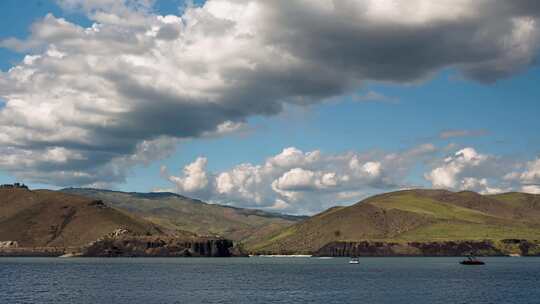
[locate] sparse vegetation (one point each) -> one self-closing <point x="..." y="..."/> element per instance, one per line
<point x="46" y="218"/>
<point x="415" y="215"/>
<point x="177" y="212"/>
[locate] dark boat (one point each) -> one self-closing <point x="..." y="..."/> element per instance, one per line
<point x="471" y="260"/>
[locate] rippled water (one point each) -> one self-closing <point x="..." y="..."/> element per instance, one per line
<point x="268" y="280"/>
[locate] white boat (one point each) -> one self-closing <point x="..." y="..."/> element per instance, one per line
<point x="354" y="261"/>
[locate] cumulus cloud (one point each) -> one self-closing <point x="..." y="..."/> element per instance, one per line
<point x="532" y="172"/>
<point x="532" y="189"/>
<point x="448" y="175"/>
<point x="301" y="182"/>
<point x="194" y="179"/>
<point x="480" y="185"/>
<point x="468" y="169"/>
<point x="528" y="177"/>
<point x="84" y="99"/>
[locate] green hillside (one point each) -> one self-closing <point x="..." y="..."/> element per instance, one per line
<point x="178" y="212"/>
<point x="413" y="215"/>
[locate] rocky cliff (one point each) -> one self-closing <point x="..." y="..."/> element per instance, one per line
<point x="446" y="248"/>
<point x="158" y="246"/>
<point x="32" y="252"/>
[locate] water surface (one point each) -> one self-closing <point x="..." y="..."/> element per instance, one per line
<point x="268" y="280"/>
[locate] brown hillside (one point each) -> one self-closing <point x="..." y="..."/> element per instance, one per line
<point x="50" y="218"/>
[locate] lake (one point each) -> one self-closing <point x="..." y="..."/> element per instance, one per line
<point x="268" y="280"/>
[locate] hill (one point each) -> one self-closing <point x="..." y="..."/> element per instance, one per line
<point x="413" y="215"/>
<point x="44" y="218"/>
<point x="174" y="211"/>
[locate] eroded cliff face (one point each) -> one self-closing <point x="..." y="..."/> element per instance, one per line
<point x="158" y="246"/>
<point x="122" y="242"/>
<point x="32" y="252"/>
<point x="447" y="248"/>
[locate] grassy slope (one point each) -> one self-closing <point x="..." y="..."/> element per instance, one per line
<point x="177" y="212"/>
<point x="49" y="218"/>
<point x="415" y="215"/>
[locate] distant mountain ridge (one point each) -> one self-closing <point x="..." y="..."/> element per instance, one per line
<point x="135" y="194"/>
<point x="410" y="222"/>
<point x="413" y="215"/>
<point x="175" y="211"/>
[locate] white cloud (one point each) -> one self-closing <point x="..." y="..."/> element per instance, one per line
<point x="244" y="183"/>
<point x="194" y="178"/>
<point x="291" y="157"/>
<point x="296" y="179"/>
<point x="480" y="185"/>
<point x="94" y="95"/>
<point x="280" y="205"/>
<point x="528" y="177"/>
<point x="532" y="189"/>
<point x="299" y="179"/>
<point x="468" y="169"/>
<point x="372" y="168"/>
<point x="532" y="172"/>
<point x="303" y="182"/>
<point x="448" y="174"/>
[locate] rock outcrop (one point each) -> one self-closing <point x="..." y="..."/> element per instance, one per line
<point x="9" y="244"/>
<point x="32" y="252"/>
<point x="50" y="223"/>
<point x="446" y="248"/>
<point x="158" y="246"/>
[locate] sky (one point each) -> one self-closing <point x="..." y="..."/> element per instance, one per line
<point x="289" y="106"/>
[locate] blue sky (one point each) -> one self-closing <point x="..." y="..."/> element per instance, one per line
<point x="498" y="119"/>
<point x="508" y="111"/>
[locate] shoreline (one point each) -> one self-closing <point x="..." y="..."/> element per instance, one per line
<point x="63" y="255"/>
<point x="163" y="247"/>
<point x="256" y="257"/>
